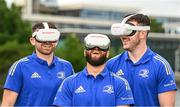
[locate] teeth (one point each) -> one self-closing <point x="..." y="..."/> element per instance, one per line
<point x="47" y="46"/>
<point x="95" y="52"/>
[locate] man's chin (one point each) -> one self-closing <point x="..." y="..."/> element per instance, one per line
<point x="47" y="52"/>
<point x="95" y="59"/>
<point x="125" y="48"/>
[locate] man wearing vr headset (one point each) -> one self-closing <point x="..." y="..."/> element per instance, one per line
<point x="34" y="80"/>
<point x="94" y="85"/>
<point x="149" y="75"/>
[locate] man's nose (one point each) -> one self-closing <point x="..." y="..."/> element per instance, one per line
<point x="96" y="48"/>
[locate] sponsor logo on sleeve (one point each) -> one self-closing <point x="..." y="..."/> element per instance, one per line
<point x="172" y="82"/>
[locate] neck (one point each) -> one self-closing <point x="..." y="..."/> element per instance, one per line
<point x="47" y="58"/>
<point x="95" y="70"/>
<point x="137" y="53"/>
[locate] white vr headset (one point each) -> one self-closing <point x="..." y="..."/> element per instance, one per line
<point x="122" y="29"/>
<point x="46" y="34"/>
<point x="97" y="40"/>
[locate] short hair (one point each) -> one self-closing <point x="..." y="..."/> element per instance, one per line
<point x="41" y="26"/>
<point x="141" y="19"/>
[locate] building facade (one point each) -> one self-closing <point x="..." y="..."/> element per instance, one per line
<point x="96" y="16"/>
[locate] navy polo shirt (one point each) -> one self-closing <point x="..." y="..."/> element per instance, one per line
<point x="148" y="77"/>
<point x="35" y="82"/>
<point x="82" y="89"/>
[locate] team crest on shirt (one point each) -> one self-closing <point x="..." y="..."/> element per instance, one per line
<point x="108" y="89"/>
<point x="61" y="75"/>
<point x="120" y="72"/>
<point x="144" y="73"/>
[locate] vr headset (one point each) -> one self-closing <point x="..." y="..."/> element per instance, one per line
<point x="46" y="34"/>
<point x="97" y="40"/>
<point x="126" y="29"/>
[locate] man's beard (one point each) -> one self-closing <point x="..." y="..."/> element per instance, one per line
<point x="96" y="62"/>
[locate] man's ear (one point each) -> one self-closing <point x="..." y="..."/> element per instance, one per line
<point x="107" y="55"/>
<point x="143" y="34"/>
<point x="32" y="41"/>
<point x="57" y="43"/>
<point x="84" y="52"/>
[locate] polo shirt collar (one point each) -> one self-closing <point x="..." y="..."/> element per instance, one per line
<point x="126" y="56"/>
<point x="41" y="61"/>
<point x="103" y="74"/>
<point x="146" y="57"/>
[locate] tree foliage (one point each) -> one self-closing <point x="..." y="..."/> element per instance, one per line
<point x="12" y="27"/>
<point x="10" y="52"/>
<point x="72" y="49"/>
<point x="14" y="34"/>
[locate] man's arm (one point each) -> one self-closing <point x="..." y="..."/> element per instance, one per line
<point x="167" y="98"/>
<point x="9" y="98"/>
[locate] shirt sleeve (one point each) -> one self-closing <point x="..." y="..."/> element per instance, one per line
<point x="123" y="93"/>
<point x="69" y="69"/>
<point x="166" y="79"/>
<point x="14" y="78"/>
<point x="64" y="95"/>
<point x="109" y="64"/>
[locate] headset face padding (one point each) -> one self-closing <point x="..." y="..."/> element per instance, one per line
<point x="46" y="34"/>
<point x="132" y="31"/>
<point x="97" y="40"/>
<point x="126" y="29"/>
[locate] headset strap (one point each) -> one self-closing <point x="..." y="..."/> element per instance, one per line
<point x="45" y="25"/>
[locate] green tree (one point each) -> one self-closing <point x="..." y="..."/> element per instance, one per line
<point x="14" y="34"/>
<point x="12" y="27"/>
<point x="10" y="52"/>
<point x="71" y="49"/>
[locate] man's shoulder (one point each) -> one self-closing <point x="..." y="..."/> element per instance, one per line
<point x="159" y="60"/>
<point x="115" y="61"/>
<point x="63" y="61"/>
<point x="23" y="60"/>
<point x="18" y="64"/>
<point x="117" y="77"/>
<point x="119" y="80"/>
<point x="160" y="63"/>
<point x="72" y="77"/>
<point x="115" y="58"/>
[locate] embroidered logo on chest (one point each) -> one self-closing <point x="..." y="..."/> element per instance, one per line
<point x="108" y="89"/>
<point x="35" y="75"/>
<point x="80" y="89"/>
<point x="120" y="72"/>
<point x="144" y="73"/>
<point x="61" y="75"/>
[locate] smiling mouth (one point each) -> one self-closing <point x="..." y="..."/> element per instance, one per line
<point x="96" y="53"/>
<point x="47" y="45"/>
<point x="125" y="39"/>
